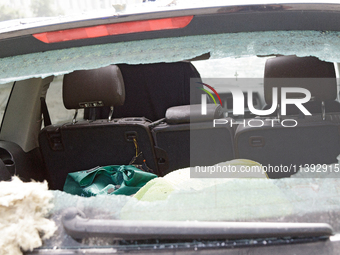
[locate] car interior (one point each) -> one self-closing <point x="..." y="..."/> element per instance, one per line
<point x="149" y="114"/>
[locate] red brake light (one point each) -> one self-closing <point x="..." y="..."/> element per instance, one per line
<point x="113" y="29"/>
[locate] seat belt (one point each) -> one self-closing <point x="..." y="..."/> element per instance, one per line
<point x="44" y="111"/>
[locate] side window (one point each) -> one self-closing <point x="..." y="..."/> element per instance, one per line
<point x="5" y="91"/>
<point x="55" y="105"/>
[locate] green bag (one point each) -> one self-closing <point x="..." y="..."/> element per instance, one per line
<point x="116" y="179"/>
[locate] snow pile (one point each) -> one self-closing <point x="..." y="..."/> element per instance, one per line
<point x="23" y="207"/>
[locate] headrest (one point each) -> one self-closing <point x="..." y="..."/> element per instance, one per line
<point x="192" y="113"/>
<point x="163" y="84"/>
<point x="304" y="72"/>
<point x="94" y="88"/>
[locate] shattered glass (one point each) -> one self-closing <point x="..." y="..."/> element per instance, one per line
<point x="224" y="199"/>
<point x="324" y="45"/>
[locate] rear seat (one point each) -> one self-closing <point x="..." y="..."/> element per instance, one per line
<point x="145" y="91"/>
<point x="83" y="145"/>
<point x="303" y="72"/>
<point x="189" y="138"/>
<point x="315" y="140"/>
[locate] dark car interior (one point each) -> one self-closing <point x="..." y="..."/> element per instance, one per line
<point x="150" y="120"/>
<point x="149" y="114"/>
<point x="141" y="117"/>
<point x="315" y="140"/>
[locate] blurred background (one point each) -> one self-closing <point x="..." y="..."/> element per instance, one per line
<point x="17" y="9"/>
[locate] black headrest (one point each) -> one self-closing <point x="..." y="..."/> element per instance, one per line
<point x="318" y="77"/>
<point x="192" y="113"/>
<point x="94" y="88"/>
<point x="153" y="88"/>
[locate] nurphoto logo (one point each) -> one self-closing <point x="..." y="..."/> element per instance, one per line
<point x="238" y="100"/>
<point x="239" y="104"/>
